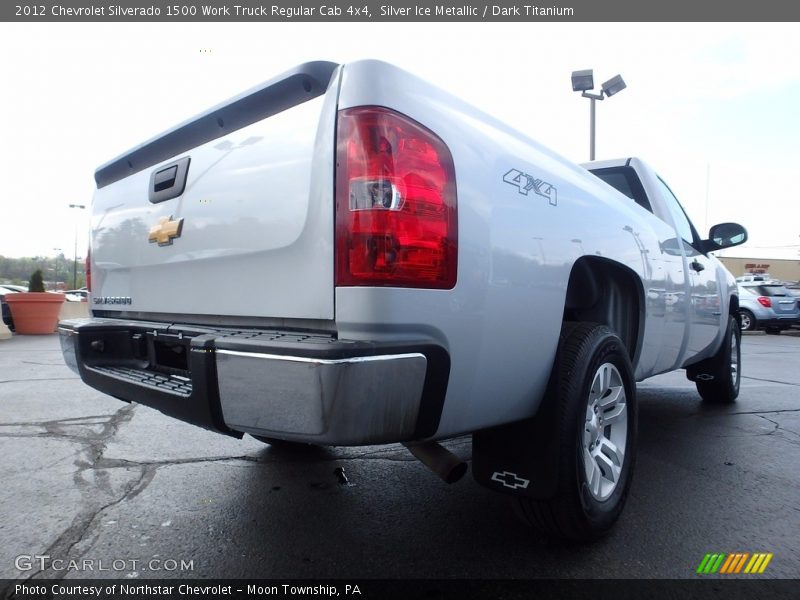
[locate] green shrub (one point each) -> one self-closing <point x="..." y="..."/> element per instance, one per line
<point x="36" y="283"/>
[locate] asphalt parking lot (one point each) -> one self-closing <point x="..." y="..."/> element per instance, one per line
<point x="88" y="477"/>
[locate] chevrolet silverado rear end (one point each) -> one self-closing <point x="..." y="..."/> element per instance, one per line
<point x="348" y="255"/>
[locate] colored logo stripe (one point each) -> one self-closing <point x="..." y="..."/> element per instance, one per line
<point x="734" y="563"/>
<point x="758" y="563"/>
<point x="710" y="563"/>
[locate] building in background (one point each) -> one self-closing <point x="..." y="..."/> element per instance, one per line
<point x="783" y="269"/>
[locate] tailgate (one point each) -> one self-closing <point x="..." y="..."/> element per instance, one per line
<point x="244" y="227"/>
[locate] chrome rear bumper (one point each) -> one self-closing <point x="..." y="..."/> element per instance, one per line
<point x="358" y="400"/>
<point x="289" y="385"/>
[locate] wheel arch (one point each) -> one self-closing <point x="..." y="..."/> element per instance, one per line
<point x="733" y="308"/>
<point x="607" y="292"/>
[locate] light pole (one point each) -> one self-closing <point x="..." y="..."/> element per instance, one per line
<point x="75" y="262"/>
<point x="583" y="81"/>
<point x="59" y="265"/>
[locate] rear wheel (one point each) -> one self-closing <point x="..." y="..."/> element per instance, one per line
<point x="748" y="320"/>
<point x="596" y="429"/>
<point x="718" y="377"/>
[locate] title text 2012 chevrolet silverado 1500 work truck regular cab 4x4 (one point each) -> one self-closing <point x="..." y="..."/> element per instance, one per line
<point x="347" y="255"/>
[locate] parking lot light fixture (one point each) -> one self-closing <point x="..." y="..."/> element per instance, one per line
<point x="613" y="85"/>
<point x="583" y="82"/>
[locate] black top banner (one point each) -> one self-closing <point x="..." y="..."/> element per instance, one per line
<point x="400" y="11"/>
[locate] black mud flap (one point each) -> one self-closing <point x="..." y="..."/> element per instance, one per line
<point x="705" y="370"/>
<point x="711" y="368"/>
<point x="519" y="458"/>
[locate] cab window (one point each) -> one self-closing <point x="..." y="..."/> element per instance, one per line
<point x="682" y="222"/>
<point x="626" y="181"/>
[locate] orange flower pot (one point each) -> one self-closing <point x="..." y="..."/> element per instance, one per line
<point x="35" y="312"/>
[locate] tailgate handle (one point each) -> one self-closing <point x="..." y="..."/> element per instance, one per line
<point x="169" y="181"/>
<point x="164" y="179"/>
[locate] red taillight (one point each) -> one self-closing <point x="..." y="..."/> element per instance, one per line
<point x="395" y="202"/>
<point x="764" y="301"/>
<point x="88" y="269"/>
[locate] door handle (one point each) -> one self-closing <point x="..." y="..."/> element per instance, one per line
<point x="696" y="266"/>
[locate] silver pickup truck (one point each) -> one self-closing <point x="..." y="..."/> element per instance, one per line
<point x="347" y="255"/>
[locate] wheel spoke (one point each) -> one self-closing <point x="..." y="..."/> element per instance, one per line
<point x="605" y="379"/>
<point x="597" y="389"/>
<point x="609" y="450"/>
<point x="609" y="469"/>
<point x="594" y="485"/>
<point x="616" y="414"/>
<point x="594" y="476"/>
<point x="612" y="397"/>
<point x="589" y="465"/>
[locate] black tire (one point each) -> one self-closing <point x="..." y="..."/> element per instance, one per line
<point x="748" y="320"/>
<point x="576" y="512"/>
<point x="724" y="367"/>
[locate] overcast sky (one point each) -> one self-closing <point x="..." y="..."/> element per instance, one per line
<point x="714" y="107"/>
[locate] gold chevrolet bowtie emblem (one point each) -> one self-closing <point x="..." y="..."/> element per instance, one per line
<point x="165" y="231"/>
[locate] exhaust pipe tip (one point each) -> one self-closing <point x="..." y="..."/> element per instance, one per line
<point x="456" y="473"/>
<point x="449" y="467"/>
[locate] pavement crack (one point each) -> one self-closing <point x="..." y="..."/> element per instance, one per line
<point x="779" y="429"/>
<point x="83" y="523"/>
<point x="29" y="379"/>
<point x="88" y="420"/>
<point x="93" y="482"/>
<point x="764" y="412"/>
<point x="775" y="424"/>
<point x="116" y="463"/>
<point x="771" y="380"/>
<point x="43" y="364"/>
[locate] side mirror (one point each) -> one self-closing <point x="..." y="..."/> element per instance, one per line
<point x="725" y="235"/>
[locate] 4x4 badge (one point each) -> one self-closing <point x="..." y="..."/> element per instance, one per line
<point x="165" y="231"/>
<point x="525" y="183"/>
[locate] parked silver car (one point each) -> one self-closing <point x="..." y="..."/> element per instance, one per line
<point x="767" y="305"/>
<point x="5" y="311"/>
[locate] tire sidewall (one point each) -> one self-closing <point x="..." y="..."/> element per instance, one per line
<point x="733" y="332"/>
<point x="606" y="347"/>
